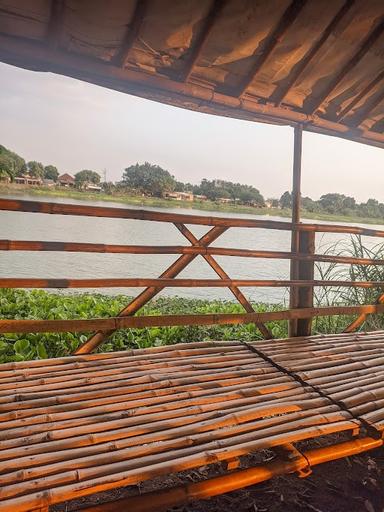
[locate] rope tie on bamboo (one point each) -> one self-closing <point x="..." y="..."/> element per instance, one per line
<point x="371" y="429"/>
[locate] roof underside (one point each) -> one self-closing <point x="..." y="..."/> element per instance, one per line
<point x="314" y="62"/>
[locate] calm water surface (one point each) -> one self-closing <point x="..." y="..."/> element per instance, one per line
<point x="25" y="226"/>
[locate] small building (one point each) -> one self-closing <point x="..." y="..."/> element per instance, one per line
<point x="27" y="179"/>
<point x="66" y="180"/>
<point x="180" y="196"/>
<point x="199" y="197"/>
<point x="4" y="178"/>
<point x="92" y="187"/>
<point x="225" y="200"/>
<point x="48" y="183"/>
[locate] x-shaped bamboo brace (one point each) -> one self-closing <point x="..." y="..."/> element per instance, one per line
<point x="138" y="302"/>
<point x="361" y="318"/>
<point x="223" y="275"/>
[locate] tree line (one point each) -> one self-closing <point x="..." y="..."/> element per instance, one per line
<point x="13" y="165"/>
<point x="152" y="180"/>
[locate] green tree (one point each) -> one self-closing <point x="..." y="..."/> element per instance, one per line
<point x="86" y="176"/>
<point x="286" y="200"/>
<point x="51" y="172"/>
<point x="11" y="163"/>
<point x="35" y="169"/>
<point x="148" y="178"/>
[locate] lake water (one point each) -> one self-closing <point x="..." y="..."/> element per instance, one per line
<point x="25" y="226"/>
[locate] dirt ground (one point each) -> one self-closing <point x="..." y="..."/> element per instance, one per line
<point x="350" y="485"/>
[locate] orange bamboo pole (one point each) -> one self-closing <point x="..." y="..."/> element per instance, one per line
<point x="126" y="213"/>
<point x="104" y="324"/>
<point x="178" y="283"/>
<point x="25" y="245"/>
<point x="162" y="500"/>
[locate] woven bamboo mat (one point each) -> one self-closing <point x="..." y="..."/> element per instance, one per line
<point x="73" y="426"/>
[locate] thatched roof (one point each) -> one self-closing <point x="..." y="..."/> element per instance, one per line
<point x="315" y="62"/>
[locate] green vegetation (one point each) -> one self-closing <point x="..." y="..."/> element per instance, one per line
<point x="86" y="176"/>
<point x="39" y="304"/>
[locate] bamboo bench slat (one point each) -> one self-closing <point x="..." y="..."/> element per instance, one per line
<point x="77" y="425"/>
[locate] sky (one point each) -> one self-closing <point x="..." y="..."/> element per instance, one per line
<point x="75" y="125"/>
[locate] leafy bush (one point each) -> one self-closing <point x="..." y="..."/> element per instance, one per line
<point x="39" y="304"/>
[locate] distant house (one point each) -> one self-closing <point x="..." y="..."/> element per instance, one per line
<point x="225" y="200"/>
<point x="48" y="183"/>
<point x="180" y="196"/>
<point x="4" y="178"/>
<point x="66" y="180"/>
<point x="199" y="197"/>
<point x="27" y="179"/>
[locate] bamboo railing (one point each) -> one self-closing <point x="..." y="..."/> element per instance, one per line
<point x="303" y="256"/>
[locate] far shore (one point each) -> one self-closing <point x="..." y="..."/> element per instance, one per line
<point x="155" y="202"/>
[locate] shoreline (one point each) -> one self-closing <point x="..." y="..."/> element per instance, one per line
<point x="153" y="202"/>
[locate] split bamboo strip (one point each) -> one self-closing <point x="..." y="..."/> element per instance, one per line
<point x="214" y="452"/>
<point x="167" y="498"/>
<point x="149" y="439"/>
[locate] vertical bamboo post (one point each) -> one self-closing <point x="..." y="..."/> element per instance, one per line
<point x="306" y="271"/>
<point x="296" y="194"/>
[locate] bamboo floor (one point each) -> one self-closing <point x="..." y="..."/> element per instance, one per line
<point x="73" y="426"/>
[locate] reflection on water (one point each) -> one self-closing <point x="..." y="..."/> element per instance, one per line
<point x="26" y="226"/>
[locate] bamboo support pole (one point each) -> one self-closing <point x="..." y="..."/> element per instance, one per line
<point x="295" y="233"/>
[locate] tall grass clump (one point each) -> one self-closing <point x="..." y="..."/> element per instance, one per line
<point x="348" y="296"/>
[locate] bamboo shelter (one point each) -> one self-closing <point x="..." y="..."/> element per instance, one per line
<point x="74" y="426"/>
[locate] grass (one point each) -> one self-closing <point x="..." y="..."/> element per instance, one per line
<point x="154" y="202"/>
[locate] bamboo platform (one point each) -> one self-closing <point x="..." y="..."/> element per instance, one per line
<point x="77" y="425"/>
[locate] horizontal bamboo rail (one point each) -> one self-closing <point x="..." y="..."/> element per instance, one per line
<point x="301" y="285"/>
<point x="178" y="283"/>
<point x="113" y="323"/>
<point x="27" y="245"/>
<point x="126" y="213"/>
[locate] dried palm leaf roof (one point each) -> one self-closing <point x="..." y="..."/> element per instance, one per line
<point x="314" y="62"/>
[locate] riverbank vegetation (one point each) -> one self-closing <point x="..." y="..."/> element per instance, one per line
<point x="149" y="185"/>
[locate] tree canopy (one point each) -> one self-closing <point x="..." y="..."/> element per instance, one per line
<point x="148" y="178"/>
<point x="11" y="163"/>
<point x="51" y="172"/>
<point x="86" y="176"/>
<point x="35" y="169"/>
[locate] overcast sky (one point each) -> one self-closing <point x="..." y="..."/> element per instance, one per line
<point x="75" y="125"/>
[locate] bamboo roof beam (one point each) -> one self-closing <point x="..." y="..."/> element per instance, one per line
<point x="270" y="44"/>
<point x="367" y="44"/>
<point x="55" y="23"/>
<point x="360" y="96"/>
<point x="281" y="92"/>
<point x="122" y="55"/>
<point x="197" y="49"/>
